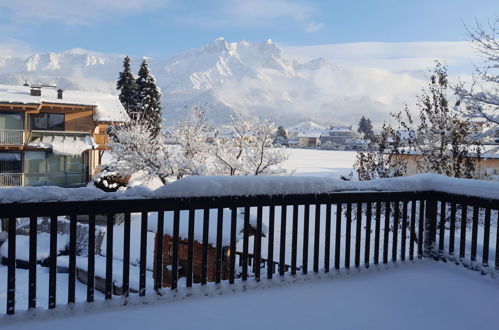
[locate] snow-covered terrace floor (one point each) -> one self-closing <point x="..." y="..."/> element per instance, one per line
<point x="423" y="295"/>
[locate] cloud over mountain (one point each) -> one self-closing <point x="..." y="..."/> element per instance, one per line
<point x="249" y="77"/>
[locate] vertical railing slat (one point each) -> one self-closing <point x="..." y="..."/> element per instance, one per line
<point x="412" y="234"/>
<point x="218" y="262"/>
<point x="232" y="257"/>
<point x="403" y="235"/>
<point x="33" y="234"/>
<point x="175" y="243"/>
<point x="452" y="228"/>
<point x="126" y="256"/>
<point x="270" y="241"/>
<point x="158" y="253"/>
<point x="190" y="247"/>
<point x="462" y="245"/>
<point x="258" y="243"/>
<point x="91" y="258"/>
<point x="53" y="262"/>
<point x="72" y="260"/>
<point x="421" y="228"/>
<point x="204" y="257"/>
<point x="337" y="242"/>
<point x="245" y="243"/>
<point x="327" y="239"/>
<point x="358" y="234"/>
<point x="109" y="256"/>
<point x="282" y="241"/>
<point x="143" y="254"/>
<point x="11" y="264"/>
<point x="474" y="233"/>
<point x="367" y="250"/>
<point x="441" y="227"/>
<point x="386" y="232"/>
<point x="486" y="238"/>
<point x="306" y="221"/>
<point x="396" y="215"/>
<point x="348" y="234"/>
<point x="377" y="233"/>
<point x="294" y="240"/>
<point x="317" y="233"/>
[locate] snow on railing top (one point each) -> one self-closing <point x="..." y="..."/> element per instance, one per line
<point x="208" y="186"/>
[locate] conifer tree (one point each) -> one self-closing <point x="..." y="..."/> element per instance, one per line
<point x="366" y="128"/>
<point x="147" y="97"/>
<point x="126" y="86"/>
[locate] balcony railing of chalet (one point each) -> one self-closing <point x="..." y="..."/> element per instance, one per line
<point x="294" y="234"/>
<point x="11" y="179"/>
<point x="11" y="137"/>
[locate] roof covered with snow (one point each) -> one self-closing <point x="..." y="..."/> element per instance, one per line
<point x="306" y="125"/>
<point x="107" y="107"/>
<point x="309" y="134"/>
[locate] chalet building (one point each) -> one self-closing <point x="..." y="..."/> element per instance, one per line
<point x="340" y="135"/>
<point x="53" y="137"/>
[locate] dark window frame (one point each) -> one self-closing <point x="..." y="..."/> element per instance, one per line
<point x="47" y="115"/>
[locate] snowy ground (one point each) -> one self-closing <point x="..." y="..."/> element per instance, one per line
<point x="425" y="295"/>
<point x="311" y="162"/>
<point x="405" y="284"/>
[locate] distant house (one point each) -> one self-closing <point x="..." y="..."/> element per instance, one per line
<point x="50" y="137"/>
<point x="309" y="139"/>
<point x="340" y="135"/>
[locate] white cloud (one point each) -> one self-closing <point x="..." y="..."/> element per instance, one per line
<point x="395" y="57"/>
<point x="75" y="12"/>
<point x="314" y="26"/>
<point x="15" y="48"/>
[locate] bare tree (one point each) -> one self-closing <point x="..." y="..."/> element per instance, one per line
<point x="247" y="148"/>
<point x="192" y="149"/>
<point x="135" y="150"/>
<point x="481" y="98"/>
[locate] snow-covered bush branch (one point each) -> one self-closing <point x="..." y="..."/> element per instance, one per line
<point x="481" y="98"/>
<point x="136" y="151"/>
<point x="248" y="148"/>
<point x="192" y="149"/>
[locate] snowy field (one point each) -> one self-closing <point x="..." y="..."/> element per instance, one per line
<point x="425" y="295"/>
<point x="311" y="162"/>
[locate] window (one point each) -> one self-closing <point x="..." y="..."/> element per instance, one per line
<point x="54" y="169"/>
<point x="11" y="121"/>
<point x="48" y="122"/>
<point x="10" y="162"/>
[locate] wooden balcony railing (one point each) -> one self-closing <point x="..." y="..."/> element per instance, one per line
<point x="304" y="232"/>
<point x="11" y="179"/>
<point x="11" y="137"/>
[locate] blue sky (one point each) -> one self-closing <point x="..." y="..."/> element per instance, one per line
<point x="162" y="28"/>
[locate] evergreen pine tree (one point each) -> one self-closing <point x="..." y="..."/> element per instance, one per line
<point x="147" y="97"/>
<point x="126" y="86"/>
<point x="366" y="128"/>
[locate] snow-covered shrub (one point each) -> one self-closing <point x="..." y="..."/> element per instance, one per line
<point x="248" y="150"/>
<point x="109" y="181"/>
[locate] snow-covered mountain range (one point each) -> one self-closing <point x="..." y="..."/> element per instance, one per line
<point x="249" y="77"/>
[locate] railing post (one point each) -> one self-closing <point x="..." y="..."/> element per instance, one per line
<point x="430" y="227"/>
